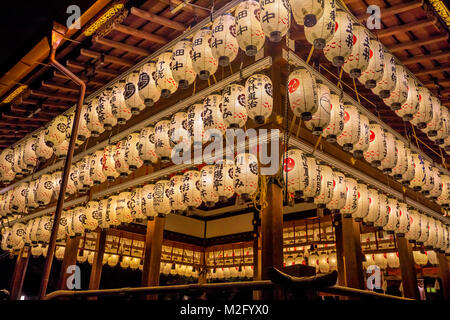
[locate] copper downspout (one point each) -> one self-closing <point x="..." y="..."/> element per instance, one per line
<point x="57" y="217"/>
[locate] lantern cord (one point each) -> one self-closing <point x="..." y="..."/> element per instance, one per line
<point x="231" y="69"/>
<point x="193" y="91"/>
<point x="292" y="123"/>
<point x="298" y="129"/>
<point x="209" y="83"/>
<point x="356" y="91"/>
<point x="214" y="77"/>
<point x="309" y="55"/>
<point x="317" y="143"/>
<point x="414" y="133"/>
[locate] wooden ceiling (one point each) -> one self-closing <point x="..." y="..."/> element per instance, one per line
<point x="410" y="30"/>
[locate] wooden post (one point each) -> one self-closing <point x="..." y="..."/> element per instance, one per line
<point x="97" y="264"/>
<point x="203" y="258"/>
<point x="407" y="268"/>
<point x="19" y="273"/>
<point x="145" y="282"/>
<point x="337" y="222"/>
<point x="70" y="258"/>
<point x="444" y="272"/>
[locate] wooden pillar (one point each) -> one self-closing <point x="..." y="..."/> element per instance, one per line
<point x="444" y="272"/>
<point x="203" y="258"/>
<point x="337" y="222"/>
<point x="70" y="258"/>
<point x="97" y="264"/>
<point x="407" y="268"/>
<point x="145" y="282"/>
<point x="20" y="270"/>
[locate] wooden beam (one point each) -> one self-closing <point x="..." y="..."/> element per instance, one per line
<point x="418" y="43"/>
<point x="70" y="258"/>
<point x="53" y="105"/>
<point x="139" y="33"/>
<point x="59" y="75"/>
<point x="102" y="71"/>
<point x="432" y="70"/>
<point x="12" y="117"/>
<point x="121" y="46"/>
<point x="426" y="57"/>
<point x="97" y="264"/>
<point x="442" y="82"/>
<point x="19" y="124"/>
<point x="201" y="12"/>
<point x="157" y="19"/>
<point x="444" y="272"/>
<point x="419" y="24"/>
<point x="107" y="58"/>
<point x="407" y="268"/>
<point x="389" y="12"/>
<point x="157" y="231"/>
<point x="20" y="270"/>
<point x="61" y="87"/>
<point x="50" y="95"/>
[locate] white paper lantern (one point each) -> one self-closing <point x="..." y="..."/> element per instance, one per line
<point x="444" y="129"/>
<point x="96" y="167"/>
<point x="92" y="216"/>
<point x="84" y="173"/>
<point x="377" y="149"/>
<point x="358" y="60"/>
<point x="246" y="175"/>
<point x="111" y="211"/>
<point x="223" y="179"/>
<point x="339" y="192"/>
<point x="56" y="132"/>
<point x="131" y="93"/>
<point x="411" y="105"/>
<point x="393" y="221"/>
<point x="259" y="98"/>
<point x="123" y="210"/>
<point x="16" y="163"/>
<point x="351" y="202"/>
<point x="352" y="129"/>
<point x="387" y="83"/>
<point x="336" y="124"/>
<point x="362" y="209"/>
<point x="383" y="217"/>
<point x="391" y="158"/>
<point x="249" y="33"/>
<point x="408" y="175"/>
<point x="109" y="163"/>
<point x="164" y="78"/>
<point x="275" y="18"/>
<point x="234" y="106"/>
<point x="43" y="151"/>
<point x="212" y="116"/>
<point x="363" y="143"/>
<point x="146" y="145"/>
<point x="340" y="46"/>
<point x="105" y="110"/>
<point x="21" y="155"/>
<point x="59" y="252"/>
<point x="36" y="251"/>
<point x="102" y="212"/>
<point x="120" y="108"/>
<point x="30" y="199"/>
<point x="420" y="258"/>
<point x="147" y="201"/>
<point x="161" y="201"/>
<point x="191" y="188"/>
<point x="29" y="156"/>
<point x="61" y="150"/>
<point x="132" y="151"/>
<point x="436" y="191"/>
<point x="436" y="121"/>
<point x="182" y="70"/>
<point x="399" y="93"/>
<point x="136" y="205"/>
<point x="295" y="171"/>
<point x="44" y="189"/>
<point x="402" y="156"/>
<point x="224" y="45"/>
<point x="373" y="211"/>
<point x="92" y="118"/>
<point x="120" y="159"/>
<point x="83" y="132"/>
<point x="425" y="109"/>
<point x="176" y="195"/>
<point x="203" y="60"/>
<point x="308" y="12"/>
<point x="414" y="225"/>
<point x="444" y="198"/>
<point x="148" y="90"/>
<point x="303" y="98"/>
<point x="428" y="178"/>
<point x="163" y="148"/>
<point x="178" y="132"/>
<point x="312" y="189"/>
<point x="419" y="172"/>
<point x="45" y="229"/>
<point x="432" y="234"/>
<point x="403" y="225"/>
<point x="322" y="31"/>
<point x="321" y="118"/>
<point x="326" y="186"/>
<point x="206" y="182"/>
<point x="195" y="124"/>
<point x="6" y="162"/>
<point x="374" y="71"/>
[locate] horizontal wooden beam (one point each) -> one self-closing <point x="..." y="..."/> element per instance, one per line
<point x="15" y="108"/>
<point x="419" y="24"/>
<point x="49" y="95"/>
<point x="92" y="82"/>
<point x="418" y="43"/>
<point x="53" y="105"/>
<point x="58" y="86"/>
<point x="139" y="33"/>
<point x="10" y="136"/>
<point x="102" y="71"/>
<point x="122" y="46"/>
<point x="201" y="12"/>
<point x="432" y="70"/>
<point x="106" y="57"/>
<point x="442" y="82"/>
<point x="389" y="12"/>
<point x="19" y="124"/>
<point x="157" y="19"/>
<point x="426" y="57"/>
<point x="12" y="117"/>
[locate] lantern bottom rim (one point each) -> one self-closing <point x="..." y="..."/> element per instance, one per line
<point x="275" y="36"/>
<point x="370" y="84"/>
<point x="338" y="61"/>
<point x="251" y="50"/>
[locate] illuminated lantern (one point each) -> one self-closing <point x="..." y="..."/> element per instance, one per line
<point x="373" y="212"/>
<point x="109" y="163"/>
<point x="45" y="229"/>
<point x="83" y="132"/>
<point x="34" y="230"/>
<point x="61" y="235"/>
<point x="120" y="158"/>
<point x="30" y="199"/>
<point x="212" y="117"/>
<point x="132" y="152"/>
<point x="336" y="124"/>
<point x="249" y="33"/>
<point x="191" y="188"/>
<point x="444" y="198"/>
<point x="339" y="192"/>
<point x="203" y="60"/>
<point x="393" y="260"/>
<point x="275" y="18"/>
<point x="147" y="201"/>
<point x="420" y="258"/>
<point x="414" y="225"/>
<point x="36" y="251"/>
<point x="340" y="46"/>
<point x="7" y="174"/>
<point x="44" y="190"/>
<point x="312" y="189"/>
<point x="82" y="256"/>
<point x="136" y="205"/>
<point x="393" y="221"/>
<point x="389" y="79"/>
<point x="163" y="148"/>
<point x="323" y="263"/>
<point x="111" y="213"/>
<point x="258" y="95"/>
<point x="43" y="152"/>
<point x="20" y="160"/>
<point x="223" y="179"/>
<point x="178" y="131"/>
<point x="103" y="218"/>
<point x="164" y="78"/>
<point x="146" y="145"/>
<point x="321" y="118"/>
<point x="403" y="218"/>
<point x="224" y="45"/>
<point x="161" y="201"/>
<point x="182" y="70"/>
<point x="246" y="175"/>
<point x="96" y="167"/>
<point x="401" y="165"/>
<point x="380" y="260"/>
<point x="59" y="252"/>
<point x="134" y="263"/>
<point x="195" y="124"/>
<point x="425" y="110"/>
<point x="358" y="60"/>
<point x="92" y="216"/>
<point x="326" y="186"/>
<point x="15" y="162"/>
<point x="77" y="180"/>
<point x="113" y="260"/>
<point x="175" y="194"/>
<point x="91" y="257"/>
<point x="125" y="263"/>
<point x="104" y="109"/>
<point x="309" y="12"/>
<point x="79" y="220"/>
<point x="206" y="182"/>
<point x="351" y="133"/>
<point x="131" y="93"/>
<point x="432" y="235"/>
<point x="362" y="207"/>
<point x="391" y="158"/>
<point x="377" y="145"/>
<point x="313" y="261"/>
<point x="399" y="93"/>
<point x="84" y="173"/>
<point x="56" y="182"/>
<point x="408" y="175"/>
<point x="322" y="31"/>
<point x="56" y="132"/>
<point x="302" y="93"/>
<point x="436" y="121"/>
<point x="17" y="236"/>
<point x="428" y="178"/>
<point x="411" y="105"/>
<point x="374" y="71"/>
<point x="148" y="90"/>
<point x="93" y="119"/>
<point x="234" y="106"/>
<point x="72" y="182"/>
<point x="123" y="212"/>
<point x="351" y="202"/>
<point x="29" y="155"/>
<point x="419" y="172"/>
<point x="363" y="143"/>
<point x="437" y="186"/>
<point x="61" y="150"/>
<point x="119" y="108"/>
<point x="444" y="131"/>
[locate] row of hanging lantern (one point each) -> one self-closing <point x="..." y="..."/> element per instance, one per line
<point x="312" y="234"/>
<point x="230" y="264"/>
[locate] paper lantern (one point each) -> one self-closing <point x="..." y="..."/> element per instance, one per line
<point x="393" y="221"/>
<point x="402" y="156"/>
<point x="352" y="130"/>
<point x="82" y="256"/>
<point x="84" y="173"/>
<point x="134" y="263"/>
<point x="34" y="230"/>
<point x="78" y="220"/>
<point x="163" y="148"/>
<point x="312" y="189"/>
<point x="419" y="172"/>
<point x="321" y="118"/>
<point x="103" y="217"/>
<point x="428" y="178"/>
<point x="20" y="160"/>
<point x="411" y="105"/>
<point x="36" y="251"/>
<point x="43" y="151"/>
<point x="45" y="229"/>
<point x="6" y="162"/>
<point x="223" y="179"/>
<point x="113" y="260"/>
<point x="149" y="92"/>
<point x="191" y="188"/>
<point x="131" y="93"/>
<point x="425" y="109"/>
<point x="30" y="199"/>
<point x="56" y="183"/>
<point x="358" y="60"/>
<point x="95" y="166"/>
<point x="408" y="175"/>
<point x="436" y="121"/>
<point x="437" y="185"/>
<point x="206" y="182"/>
<point x="56" y="131"/>
<point x="59" y="252"/>
<point x="403" y="217"/>
<point x="275" y="18"/>
<point x="109" y="163"/>
<point x="212" y="117"/>
<point x="176" y="195"/>
<point x="399" y="93"/>
<point x="339" y="192"/>
<point x="224" y="45"/>
<point x="125" y="263"/>
<point x="44" y="189"/>
<point x="351" y="202"/>
<point x="119" y="107"/>
<point x="336" y="124"/>
<point x="432" y="234"/>
<point x="15" y="159"/>
<point x="246" y="175"/>
<point x="161" y="201"/>
<point x="111" y="210"/>
<point x="120" y="159"/>
<point x="414" y="225"/>
<point x="105" y="110"/>
<point x="92" y="216"/>
<point x="17" y="236"/>
<point x="444" y="198"/>
<point x="132" y="151"/>
<point x="203" y="60"/>
<point x="364" y="139"/>
<point x="373" y="212"/>
<point x="322" y="31"/>
<point x="147" y="201"/>
<point x="377" y="149"/>
<point x="391" y="158"/>
<point x="387" y="83"/>
<point x="444" y="130"/>
<point x="182" y="70"/>
<point x="234" y="106"/>
<point x="146" y="145"/>
<point x="29" y="156"/>
<point x="362" y="207"/>
<point x="308" y="12"/>
<point x="324" y="266"/>
<point x="93" y="118"/>
<point x="258" y="95"/>
<point x="249" y="33"/>
<point x="164" y="79"/>
<point x="136" y="205"/>
<point x="195" y="124"/>
<point x="393" y="260"/>
<point x="374" y="71"/>
<point x="123" y="211"/>
<point x="83" y="132"/>
<point x="340" y="46"/>
<point x="61" y="150"/>
<point x="303" y="98"/>
<point x="326" y="186"/>
<point x="420" y="258"/>
<point x="380" y="260"/>
<point x="178" y="132"/>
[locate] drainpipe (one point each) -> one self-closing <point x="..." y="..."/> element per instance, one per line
<point x="57" y="35"/>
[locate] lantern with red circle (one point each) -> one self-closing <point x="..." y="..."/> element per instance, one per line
<point x="120" y="108"/>
<point x="358" y="60"/>
<point x="403" y="225"/>
<point x="234" y="106"/>
<point x="321" y="118"/>
<point x="340" y="46"/>
<point x="351" y="202"/>
<point x="425" y="109"/>
<point x="374" y="71"/>
<point x="399" y="93"/>
<point x="444" y="130"/>
<point x="352" y="130"/>
<point x="444" y="198"/>
<point x="203" y="60"/>
<point x="148" y="90"/>
<point x="275" y="18"/>
<point x="394" y="217"/>
<point x="336" y="124"/>
<point x="362" y="207"/>
<point x="302" y="93"/>
<point x="249" y="33"/>
<point x="402" y="157"/>
<point x="377" y="145"/>
<point x="414" y="225"/>
<point x="419" y="172"/>
<point x="295" y="171"/>
<point x="411" y="105"/>
<point x="322" y="31"/>
<point x="374" y="207"/>
<point x="363" y="143"/>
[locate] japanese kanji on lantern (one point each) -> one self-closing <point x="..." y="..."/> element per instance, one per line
<point x="312" y="189"/>
<point x="212" y="117"/>
<point x="387" y="83"/>
<point x="351" y="202"/>
<point x="408" y="175"/>
<point x="393" y="220"/>
<point x="403" y="226"/>
<point x="148" y="90"/>
<point x="92" y="118"/>
<point x="391" y="158"/>
<point x="375" y="69"/>
<point x="164" y="77"/>
<point x="339" y="198"/>
<point x="308" y="12"/>
<point x="163" y="148"/>
<point x="182" y="69"/>
<point x="43" y="151"/>
<point x="224" y="45"/>
<point x="358" y="60"/>
<point x="6" y="158"/>
<point x="377" y="145"/>
<point x="178" y="132"/>
<point x="122" y="166"/>
<point x="295" y="171"/>
<point x="29" y="152"/>
<point x="321" y="118"/>
<point x="340" y="46"/>
<point x="326" y="186"/>
<point x="132" y="151"/>
<point x="411" y="105"/>
<point x="425" y="109"/>
<point x="83" y="132"/>
<point x="373" y="212"/>
<point x="146" y="146"/>
<point x="223" y="179"/>
<point x="84" y="173"/>
<point x="56" y="131"/>
<point x="399" y="93"/>
<point x="336" y="124"/>
<point x="131" y="93"/>
<point x="352" y="129"/>
<point x="437" y="185"/>
<point x="436" y="120"/>
<point x="123" y="211"/>
<point x="175" y="194"/>
<point x="402" y="165"/>
<point x="18" y="202"/>
<point x="104" y="109"/>
<point x="161" y="201"/>
<point x="96" y="167"/>
<point x="363" y="143"/>
<point x="444" y="198"/>
<point x="195" y="124"/>
<point x="147" y="201"/>
<point x="419" y="172"/>
<point x="321" y="32"/>
<point x="414" y="225"/>
<point x="275" y="18"/>
<point x="234" y="106"/>
<point x="444" y="130"/>
<point x="302" y="93"/>
<point x="203" y="60"/>
<point x="120" y="108"/>
<point x="60" y="150"/>
<point x="30" y="199"/>
<point x="428" y="178"/>
<point x="109" y="163"/>
<point x="259" y="98"/>
<point x="44" y="190"/>
<point x="206" y="182"/>
<point x="191" y="188"/>
<point x="246" y="174"/>
<point x="249" y="33"/>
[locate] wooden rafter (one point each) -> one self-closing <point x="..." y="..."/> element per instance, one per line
<point x="420" y="24"/>
<point x="53" y="105"/>
<point x="19" y="124"/>
<point x="389" y="12"/>
<point x="418" y="43"/>
<point x="426" y="57"/>
<point x="102" y="71"/>
<point x="194" y="10"/>
<point x="15" y="108"/>
<point x="441" y="82"/>
<point x="432" y="70"/>
<point x="107" y="58"/>
<point x="93" y="82"/>
<point x="121" y="46"/>
<point x="140" y="34"/>
<point x="12" y="117"/>
<point x="157" y="19"/>
<point x="54" y="96"/>
<point x="58" y="86"/>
